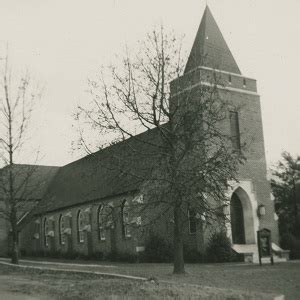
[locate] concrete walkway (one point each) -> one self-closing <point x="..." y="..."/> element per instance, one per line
<point x="70" y="264"/>
<point x="68" y="268"/>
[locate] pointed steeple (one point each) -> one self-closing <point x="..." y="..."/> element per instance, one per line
<point x="210" y="49"/>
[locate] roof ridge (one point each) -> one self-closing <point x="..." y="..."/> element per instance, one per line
<point x="31" y="165"/>
<point x="109" y="147"/>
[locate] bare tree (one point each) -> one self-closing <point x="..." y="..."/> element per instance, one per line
<point x="186" y="157"/>
<point x="17" y="97"/>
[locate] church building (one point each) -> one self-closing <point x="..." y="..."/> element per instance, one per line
<point x="69" y="215"/>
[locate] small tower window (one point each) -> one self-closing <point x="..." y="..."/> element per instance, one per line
<point x="244" y="82"/>
<point x="235" y="130"/>
<point x="229" y="79"/>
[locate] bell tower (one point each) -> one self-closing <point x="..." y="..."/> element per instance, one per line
<point x="210" y="57"/>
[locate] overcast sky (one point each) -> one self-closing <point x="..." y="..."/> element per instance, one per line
<point x="64" y="42"/>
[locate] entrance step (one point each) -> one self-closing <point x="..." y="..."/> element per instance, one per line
<point x="282" y="254"/>
<point x="250" y="253"/>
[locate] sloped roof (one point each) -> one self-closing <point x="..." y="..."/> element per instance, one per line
<point x="210" y="48"/>
<point x="30" y="181"/>
<point x="115" y="170"/>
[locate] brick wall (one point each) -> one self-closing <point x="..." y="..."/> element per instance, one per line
<point x="3" y="234"/>
<point x="114" y="241"/>
<point x="255" y="168"/>
<point x="240" y="92"/>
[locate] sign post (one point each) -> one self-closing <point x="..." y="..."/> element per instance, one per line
<point x="264" y="243"/>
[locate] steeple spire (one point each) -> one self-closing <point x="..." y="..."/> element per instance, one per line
<point x="210" y="48"/>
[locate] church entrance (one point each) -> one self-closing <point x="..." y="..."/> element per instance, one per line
<point x="237" y="220"/>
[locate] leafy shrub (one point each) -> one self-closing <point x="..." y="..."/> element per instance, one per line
<point x="72" y="255"/>
<point x="122" y="257"/>
<point x="116" y="256"/>
<point x="23" y="252"/>
<point x="157" y="249"/>
<point x="290" y="242"/>
<point x="97" y="256"/>
<point x="219" y="248"/>
<point x="63" y="255"/>
<point x="191" y="255"/>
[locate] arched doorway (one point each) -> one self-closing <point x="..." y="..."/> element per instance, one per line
<point x="237" y="220"/>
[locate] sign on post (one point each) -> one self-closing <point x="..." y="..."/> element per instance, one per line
<point x="264" y="243"/>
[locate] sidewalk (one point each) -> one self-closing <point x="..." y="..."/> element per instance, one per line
<point x="92" y="269"/>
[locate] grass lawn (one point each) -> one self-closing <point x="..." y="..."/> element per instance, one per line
<point x="281" y="278"/>
<point x="202" y="281"/>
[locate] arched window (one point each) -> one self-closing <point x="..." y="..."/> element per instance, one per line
<point x="125" y="219"/>
<point x="61" y="229"/>
<point x="80" y="225"/>
<point x="101" y="223"/>
<point x="37" y="229"/>
<point x="46" y="230"/>
<point x="192" y="221"/>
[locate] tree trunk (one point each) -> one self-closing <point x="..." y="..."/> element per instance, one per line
<point x="15" y="239"/>
<point x="178" y="242"/>
<point x="15" y="251"/>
